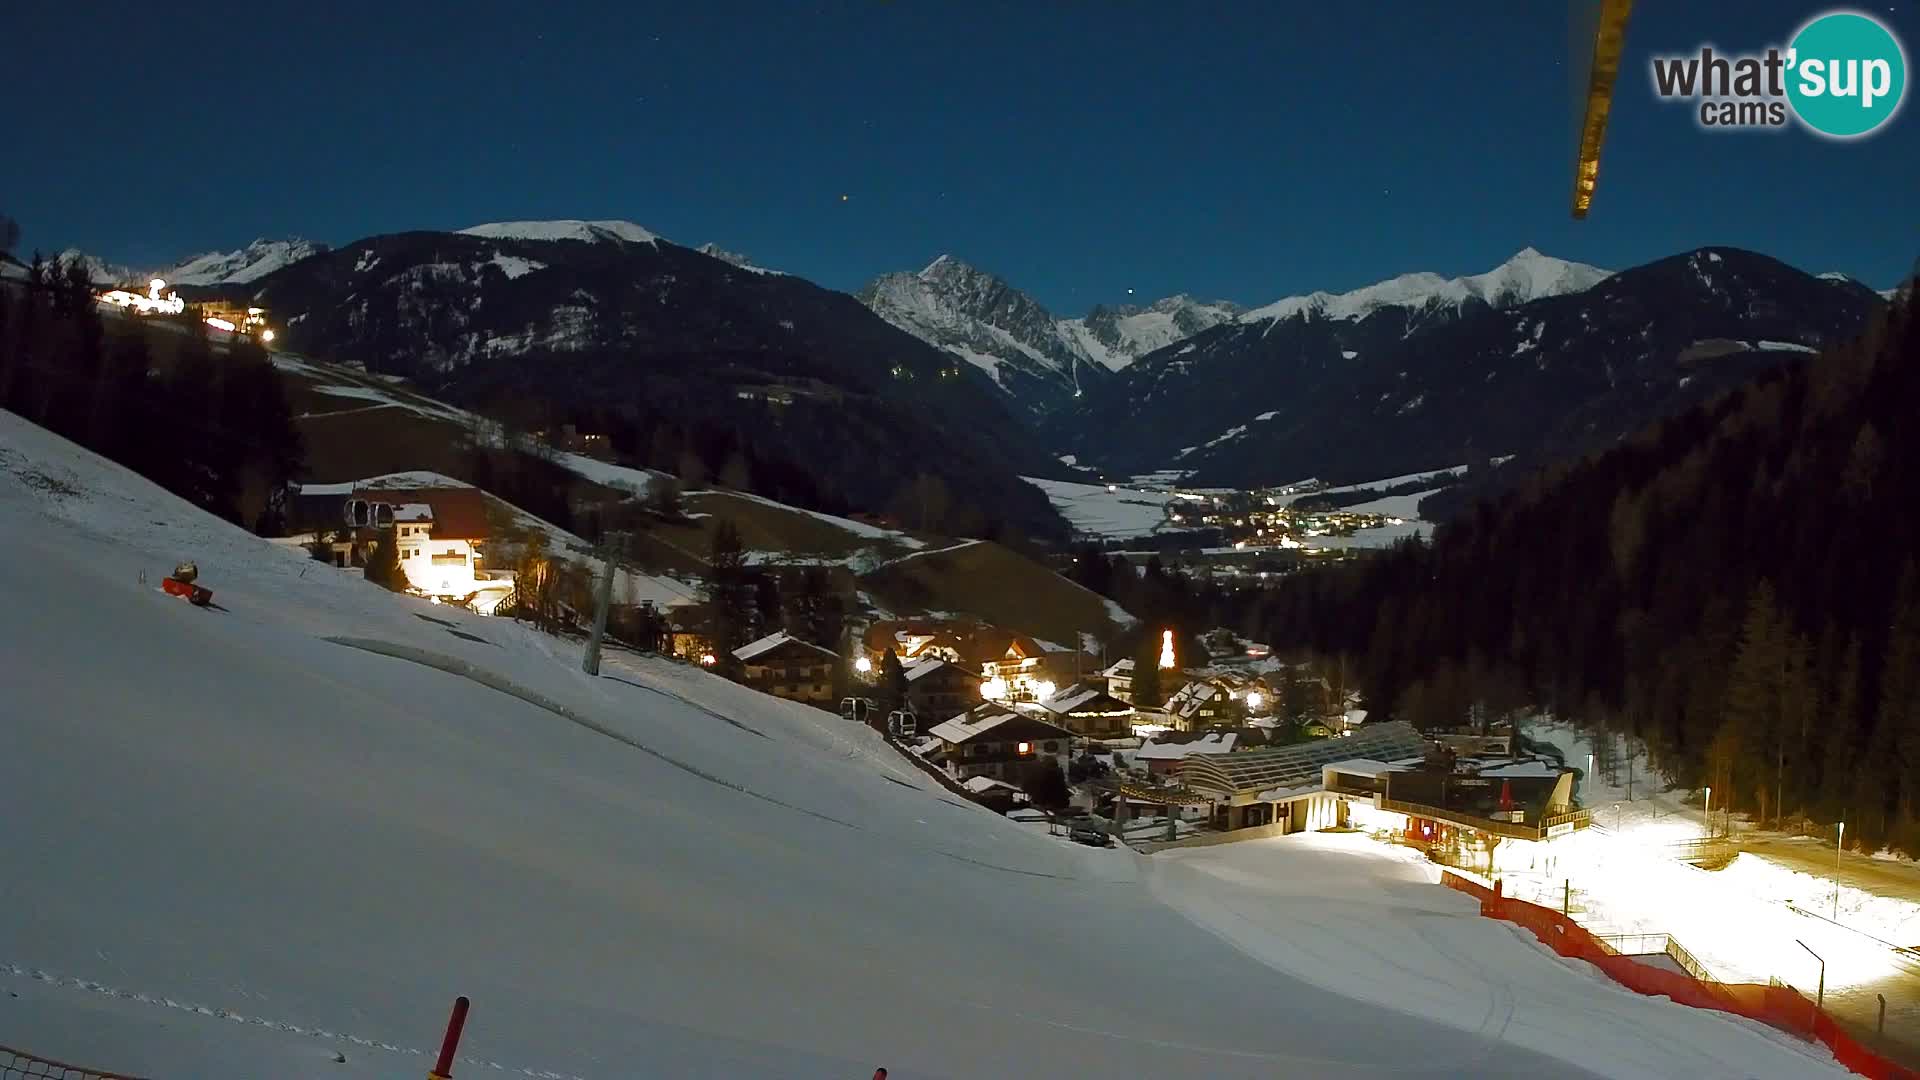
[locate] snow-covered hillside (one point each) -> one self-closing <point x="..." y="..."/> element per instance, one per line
<point x="589" y="231"/>
<point x="1529" y="275"/>
<point x="256" y="260"/>
<point x="247" y="839"/>
<point x="734" y="258"/>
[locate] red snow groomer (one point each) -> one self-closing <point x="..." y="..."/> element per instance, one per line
<point x="181" y="583"/>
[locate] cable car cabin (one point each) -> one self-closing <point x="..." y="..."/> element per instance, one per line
<point x="902" y="724"/>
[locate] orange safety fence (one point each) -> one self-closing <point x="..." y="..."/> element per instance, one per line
<point x="20" y="1065"/>
<point x="1778" y="1006"/>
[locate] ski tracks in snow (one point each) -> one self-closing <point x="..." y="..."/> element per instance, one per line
<point x="74" y="983"/>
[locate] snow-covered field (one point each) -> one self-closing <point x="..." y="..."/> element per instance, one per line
<point x="1364" y="921"/>
<point x="1121" y="514"/>
<point x="1753" y="920"/>
<point x="236" y="848"/>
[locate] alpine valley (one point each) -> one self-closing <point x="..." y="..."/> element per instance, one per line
<point x="696" y="360"/>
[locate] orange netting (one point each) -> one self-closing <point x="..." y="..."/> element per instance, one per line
<point x="1778" y="1006"/>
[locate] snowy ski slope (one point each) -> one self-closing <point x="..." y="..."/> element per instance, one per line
<point x="234" y="848"/>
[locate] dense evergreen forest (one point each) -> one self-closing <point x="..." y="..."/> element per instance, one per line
<point x="207" y="421"/>
<point x="1736" y="585"/>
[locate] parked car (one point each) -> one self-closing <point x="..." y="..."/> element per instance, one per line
<point x="1086" y="832"/>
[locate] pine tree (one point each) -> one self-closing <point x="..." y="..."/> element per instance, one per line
<point x="891" y="688"/>
<point x="1753" y="722"/>
<point x="1899" y="718"/>
<point x="1844" y="718"/>
<point x="383" y="566"/>
<point x="729" y="593"/>
<point x="1047" y="786"/>
<point x="768" y="616"/>
<point x="1147" y="692"/>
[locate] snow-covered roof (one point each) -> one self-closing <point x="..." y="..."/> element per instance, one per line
<point x="1189" y="698"/>
<point x="1360" y="767"/>
<point x="1299" y="765"/>
<point x="980" y="785"/>
<point x="1214" y="742"/>
<point x="1079" y="696"/>
<point x="774" y="641"/>
<point x="918" y="669"/>
<point x="413" y="512"/>
<point x="1120" y="669"/>
<point x="1002" y="723"/>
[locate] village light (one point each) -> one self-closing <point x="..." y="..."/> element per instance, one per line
<point x="708" y="659"/>
<point x="994" y="688"/>
<point x="1043" y="689"/>
<point x="1166" y="648"/>
<point x="154" y="287"/>
<point x="1026" y="748"/>
<point x="1254" y="699"/>
<point x="863" y="665"/>
<point x="266" y="335"/>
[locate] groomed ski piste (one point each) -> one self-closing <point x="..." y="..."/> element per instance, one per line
<point x="233" y="847"/>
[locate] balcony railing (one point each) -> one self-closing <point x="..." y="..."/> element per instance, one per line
<point x="1515" y="830"/>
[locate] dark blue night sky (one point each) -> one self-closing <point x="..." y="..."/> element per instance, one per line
<point x="1246" y="151"/>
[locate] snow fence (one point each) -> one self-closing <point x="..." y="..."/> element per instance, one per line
<point x="20" y="1065"/>
<point x="1775" y="1005"/>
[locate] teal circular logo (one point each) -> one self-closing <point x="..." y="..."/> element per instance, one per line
<point x="1847" y="74"/>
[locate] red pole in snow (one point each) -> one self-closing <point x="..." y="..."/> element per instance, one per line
<point x="443" y="1069"/>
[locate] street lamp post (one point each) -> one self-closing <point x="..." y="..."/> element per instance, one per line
<point x="1589" y="783"/>
<point x="1839" y="842"/>
<point x="1820" y="998"/>
<point x="1707" y="814"/>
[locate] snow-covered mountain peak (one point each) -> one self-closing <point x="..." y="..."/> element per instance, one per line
<point x="732" y="258"/>
<point x="99" y="271"/>
<point x="565" y="229"/>
<point x="256" y="260"/>
<point x="1528" y="275"/>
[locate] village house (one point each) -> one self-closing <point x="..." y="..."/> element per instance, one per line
<point x="969" y="643"/>
<point x="1119" y="678"/>
<point x="1162" y="757"/>
<point x="787" y="667"/>
<point x="1199" y="704"/>
<point x="996" y="742"/>
<point x="937" y="689"/>
<point x="1031" y="669"/>
<point x="441" y="535"/>
<point x="1087" y="711"/>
